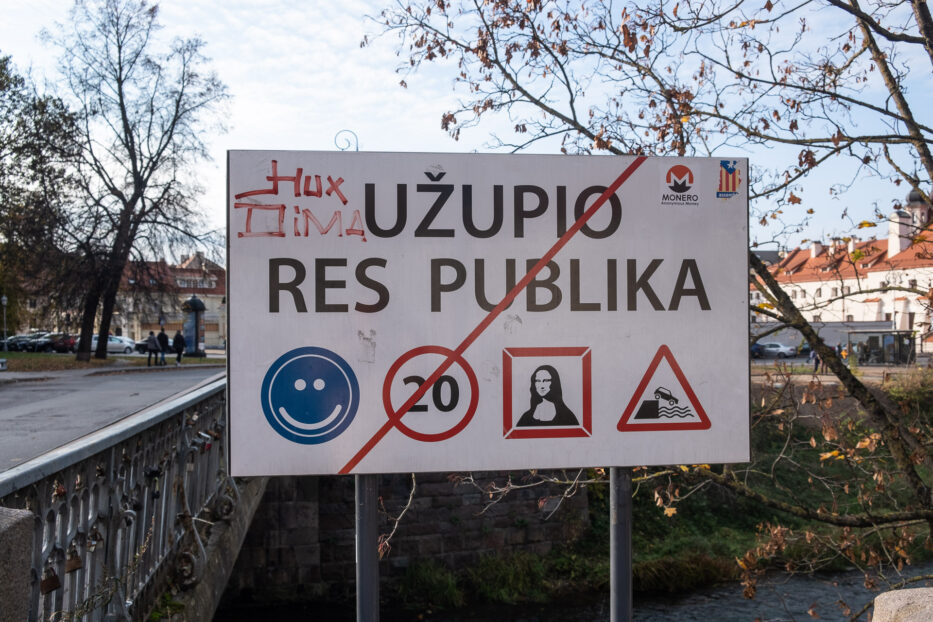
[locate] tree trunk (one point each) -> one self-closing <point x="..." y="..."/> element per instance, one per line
<point x="907" y="451"/>
<point x="108" y="300"/>
<point x="91" y="300"/>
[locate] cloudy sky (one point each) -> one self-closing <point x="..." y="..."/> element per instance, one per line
<point x="298" y="76"/>
<point x="296" y="71"/>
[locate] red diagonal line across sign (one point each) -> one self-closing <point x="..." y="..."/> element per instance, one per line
<point x="492" y="315"/>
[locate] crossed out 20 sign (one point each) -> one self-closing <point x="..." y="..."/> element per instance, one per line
<point x="431" y="312"/>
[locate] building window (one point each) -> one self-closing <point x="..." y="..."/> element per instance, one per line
<point x="793" y="294"/>
<point x="849" y="318"/>
<point x="910" y="320"/>
<point x="834" y="292"/>
<point x="883" y="284"/>
<point x="887" y="317"/>
<point x="912" y="283"/>
<point x="816" y="318"/>
<point x="847" y="290"/>
<point x="819" y="292"/>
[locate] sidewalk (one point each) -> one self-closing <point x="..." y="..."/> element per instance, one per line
<point x="7" y="377"/>
<point x="867" y="373"/>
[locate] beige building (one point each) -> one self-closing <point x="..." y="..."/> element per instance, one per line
<point x="155" y="294"/>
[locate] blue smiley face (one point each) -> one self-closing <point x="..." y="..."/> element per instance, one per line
<point x="310" y="395"/>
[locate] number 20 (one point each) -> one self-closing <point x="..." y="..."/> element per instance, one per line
<point x="436" y="394"/>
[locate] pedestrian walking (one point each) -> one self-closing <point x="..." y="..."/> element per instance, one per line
<point x="815" y="359"/>
<point x="152" y="349"/>
<point x="163" y="345"/>
<point x="178" y="344"/>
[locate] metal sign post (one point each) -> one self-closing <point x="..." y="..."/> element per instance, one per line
<point x="367" y="554"/>
<point x="620" y="544"/>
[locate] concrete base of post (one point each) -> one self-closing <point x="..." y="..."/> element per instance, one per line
<point x="915" y="605"/>
<point x="16" y="531"/>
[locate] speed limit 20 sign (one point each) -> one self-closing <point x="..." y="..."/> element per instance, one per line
<point x="427" y="312"/>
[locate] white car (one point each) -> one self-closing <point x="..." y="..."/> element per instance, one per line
<point x="126" y="345"/>
<point x="115" y="345"/>
<point x="777" y="350"/>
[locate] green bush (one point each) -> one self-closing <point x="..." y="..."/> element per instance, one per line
<point x="509" y="579"/>
<point x="428" y="585"/>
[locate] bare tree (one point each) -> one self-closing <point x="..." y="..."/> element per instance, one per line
<point x="37" y="148"/>
<point x="817" y="80"/>
<point x="143" y="117"/>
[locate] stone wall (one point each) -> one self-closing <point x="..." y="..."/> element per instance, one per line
<point x="301" y="544"/>
<point x="16" y="533"/>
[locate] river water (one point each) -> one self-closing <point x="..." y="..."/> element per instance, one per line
<point x="780" y="598"/>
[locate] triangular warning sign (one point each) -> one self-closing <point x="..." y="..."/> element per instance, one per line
<point x="660" y="403"/>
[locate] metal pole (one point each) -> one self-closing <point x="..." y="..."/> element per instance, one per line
<point x="4" y="300"/>
<point x="367" y="542"/>
<point x="620" y="544"/>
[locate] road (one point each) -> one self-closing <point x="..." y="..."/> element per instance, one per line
<point x="40" y="411"/>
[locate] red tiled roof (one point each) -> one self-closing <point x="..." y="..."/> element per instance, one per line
<point x="162" y="276"/>
<point x="836" y="262"/>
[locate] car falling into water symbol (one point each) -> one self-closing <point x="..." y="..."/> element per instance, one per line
<point x="663" y="394"/>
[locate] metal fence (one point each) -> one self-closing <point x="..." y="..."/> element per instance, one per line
<point x="123" y="511"/>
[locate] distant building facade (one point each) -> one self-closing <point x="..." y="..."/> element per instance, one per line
<point x="875" y="280"/>
<point x="154" y="295"/>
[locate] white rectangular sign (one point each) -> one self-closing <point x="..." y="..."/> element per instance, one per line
<point x="398" y="312"/>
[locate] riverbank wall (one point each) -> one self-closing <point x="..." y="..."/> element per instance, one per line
<point x="301" y="544"/>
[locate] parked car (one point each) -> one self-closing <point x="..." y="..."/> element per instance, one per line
<point x="13" y="341"/>
<point x="777" y="350"/>
<point x="128" y="344"/>
<point x="115" y="345"/>
<point x="63" y="342"/>
<point x="36" y="341"/>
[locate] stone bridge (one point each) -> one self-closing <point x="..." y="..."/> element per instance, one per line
<point x="97" y="528"/>
<point x="101" y="527"/>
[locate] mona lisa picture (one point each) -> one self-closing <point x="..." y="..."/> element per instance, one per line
<point x="546" y="392"/>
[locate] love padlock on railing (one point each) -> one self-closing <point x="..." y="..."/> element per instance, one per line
<point x="50" y="581"/>
<point x="93" y="539"/>
<point x="73" y="560"/>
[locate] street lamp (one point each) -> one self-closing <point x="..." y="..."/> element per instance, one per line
<point x="3" y="301"/>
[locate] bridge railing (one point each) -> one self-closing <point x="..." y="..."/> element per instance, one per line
<point x="122" y="511"/>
